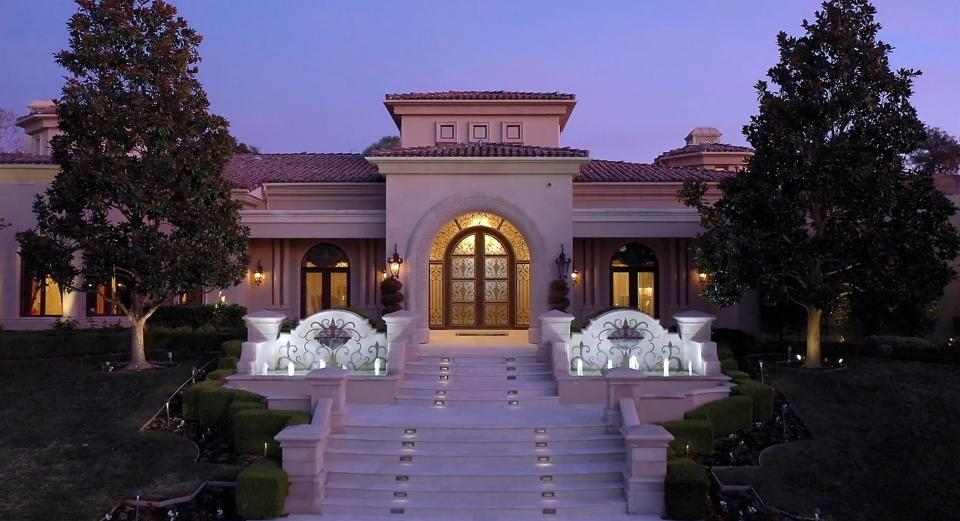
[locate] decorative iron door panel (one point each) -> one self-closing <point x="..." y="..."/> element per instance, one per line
<point x="480" y="271"/>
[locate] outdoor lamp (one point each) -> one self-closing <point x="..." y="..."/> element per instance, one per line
<point x="575" y="276"/>
<point x="563" y="264"/>
<point x="394" y="262"/>
<point x="383" y="274"/>
<point x="702" y="276"/>
<point x="258" y="274"/>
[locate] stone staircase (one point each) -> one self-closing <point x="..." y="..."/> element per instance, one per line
<point x="477" y="434"/>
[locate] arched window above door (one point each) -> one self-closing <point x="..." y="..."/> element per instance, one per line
<point x="634" y="279"/>
<point x="325" y="279"/>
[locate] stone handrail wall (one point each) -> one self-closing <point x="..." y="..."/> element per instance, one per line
<point x="303" y="447"/>
<point x="646" y="470"/>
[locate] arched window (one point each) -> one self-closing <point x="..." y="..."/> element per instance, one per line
<point x="325" y="279"/>
<point x="634" y="279"/>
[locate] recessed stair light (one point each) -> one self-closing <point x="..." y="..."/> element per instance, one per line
<point x="538" y="430"/>
<point x="396" y="510"/>
<point x="540" y="444"/>
<point x="546" y="478"/>
<point x="412" y="444"/>
<point x="406" y="459"/>
<point x="441" y="392"/>
<point x="543" y="459"/>
<point x="409" y="431"/>
<point x="547" y="494"/>
<point x="513" y="402"/>
<point x="403" y="478"/>
<point x="549" y="511"/>
<point x="512" y="392"/>
<point x="399" y="494"/>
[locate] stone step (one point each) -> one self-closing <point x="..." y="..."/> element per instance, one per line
<point x="431" y="390"/>
<point x="474" y="379"/>
<point x="505" y="401"/>
<point x="455" y="491"/>
<point x="516" y="456"/>
<point x="477" y="370"/>
<point x="355" y="441"/>
<point x="473" y="359"/>
<point x="479" y="510"/>
<point x="466" y="516"/>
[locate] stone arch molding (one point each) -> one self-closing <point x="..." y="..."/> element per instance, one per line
<point x="422" y="235"/>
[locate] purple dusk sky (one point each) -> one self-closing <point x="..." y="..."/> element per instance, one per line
<point x="310" y="76"/>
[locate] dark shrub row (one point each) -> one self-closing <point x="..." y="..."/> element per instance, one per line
<point x="219" y="316"/>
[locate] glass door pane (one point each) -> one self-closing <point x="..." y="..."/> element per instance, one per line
<point x="621" y="289"/>
<point x="313" y="293"/>
<point x="496" y="283"/>
<point x="463" y="282"/>
<point x="645" y="293"/>
<point x="338" y="290"/>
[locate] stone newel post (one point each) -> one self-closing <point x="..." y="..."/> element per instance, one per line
<point x="695" y="331"/>
<point x="263" y="328"/>
<point x="554" y="327"/>
<point x="303" y="447"/>
<point x="400" y="337"/>
<point x="330" y="383"/>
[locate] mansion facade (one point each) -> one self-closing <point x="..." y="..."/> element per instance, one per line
<point x="479" y="201"/>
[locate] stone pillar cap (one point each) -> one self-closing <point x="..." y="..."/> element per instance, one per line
<point x="264" y="316"/>
<point x="693" y="315"/>
<point x="555" y="315"/>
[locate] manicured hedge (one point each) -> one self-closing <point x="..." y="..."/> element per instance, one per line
<point x="191" y="398"/>
<point x="199" y="315"/>
<point x="261" y="490"/>
<point x="737" y="375"/>
<point x="698" y="433"/>
<point x="724" y="352"/>
<point x="740" y="342"/>
<point x="728" y="415"/>
<point x="686" y="490"/>
<point x="238" y="405"/>
<point x="227" y="362"/>
<point x="254" y="427"/>
<point x="26" y="345"/>
<point x="729" y="364"/>
<point x="220" y="374"/>
<point x="214" y="408"/>
<point x="761" y="394"/>
<point x="232" y="348"/>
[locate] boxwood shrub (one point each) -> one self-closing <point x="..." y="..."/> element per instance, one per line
<point x="261" y="490"/>
<point x="761" y="394"/>
<point x="220" y="374"/>
<point x="214" y="408"/>
<point x="698" y="433"/>
<point x="729" y="364"/>
<point x="191" y="398"/>
<point x="254" y="427"/>
<point x="686" y="490"/>
<point x="232" y="347"/>
<point x="737" y="375"/>
<point x="199" y="315"/>
<point x="728" y="415"/>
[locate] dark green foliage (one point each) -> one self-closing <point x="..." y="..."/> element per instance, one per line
<point x="728" y="415"/>
<point x="254" y="427"/>
<point x="232" y="348"/>
<point x="220" y="374"/>
<point x="390" y="296"/>
<point x="724" y="352"/>
<point x="214" y="408"/>
<point x="686" y="490"/>
<point x="938" y="153"/>
<point x="557" y="297"/>
<point x="698" y="433"/>
<point x="376" y="322"/>
<point x="737" y="375"/>
<point x="218" y="316"/>
<point x="729" y="364"/>
<point x="240" y="405"/>
<point x="139" y="197"/>
<point x="800" y="224"/>
<point x="191" y="398"/>
<point x="261" y="490"/>
<point x="228" y="363"/>
<point x="740" y="342"/>
<point x="26" y="345"/>
<point x="384" y="143"/>
<point x="761" y="394"/>
<point x="911" y="348"/>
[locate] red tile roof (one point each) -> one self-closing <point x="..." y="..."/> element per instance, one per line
<point x="482" y="150"/>
<point x="602" y="171"/>
<point x="252" y="170"/>
<point x="480" y="95"/>
<point x="17" y="158"/>
<point x="703" y="147"/>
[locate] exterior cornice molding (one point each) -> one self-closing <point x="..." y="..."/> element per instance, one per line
<point x="479" y="165"/>
<point x="636" y="215"/>
<point x="313" y="216"/>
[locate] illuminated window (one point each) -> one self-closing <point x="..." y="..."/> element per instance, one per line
<point x="40" y="298"/>
<point x="634" y="279"/>
<point x="105" y="299"/>
<point x="325" y="276"/>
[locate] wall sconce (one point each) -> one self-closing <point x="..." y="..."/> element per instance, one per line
<point x="394" y="262"/>
<point x="258" y="274"/>
<point x="703" y="277"/>
<point x="383" y="274"/>
<point x="563" y="264"/>
<point x="575" y="276"/>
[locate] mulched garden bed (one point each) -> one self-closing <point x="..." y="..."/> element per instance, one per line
<point x="213" y="503"/>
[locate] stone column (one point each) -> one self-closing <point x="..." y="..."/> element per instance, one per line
<point x="303" y="447"/>
<point x="330" y="383"/>
<point x="263" y="328"/>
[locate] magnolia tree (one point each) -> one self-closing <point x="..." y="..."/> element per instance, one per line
<point x="828" y="209"/>
<point x="139" y="197"/>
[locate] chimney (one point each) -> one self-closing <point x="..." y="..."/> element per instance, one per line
<point x="701" y="135"/>
<point x="40" y="124"/>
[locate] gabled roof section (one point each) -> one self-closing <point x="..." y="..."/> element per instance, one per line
<point x="482" y="150"/>
<point x="701" y="148"/>
<point x="252" y="170"/>
<point x="603" y="171"/>
<point x="480" y="95"/>
<point x="18" y="158"/>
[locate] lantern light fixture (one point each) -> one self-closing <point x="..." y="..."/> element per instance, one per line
<point x="703" y="277"/>
<point x="258" y="274"/>
<point x="575" y="276"/>
<point x="394" y="262"/>
<point x="563" y="264"/>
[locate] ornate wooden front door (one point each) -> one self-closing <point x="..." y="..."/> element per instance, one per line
<point x="479" y="284"/>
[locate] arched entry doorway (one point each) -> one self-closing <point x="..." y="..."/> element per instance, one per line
<point x="479" y="274"/>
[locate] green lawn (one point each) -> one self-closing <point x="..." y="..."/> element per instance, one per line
<point x="69" y="446"/>
<point x="886" y="442"/>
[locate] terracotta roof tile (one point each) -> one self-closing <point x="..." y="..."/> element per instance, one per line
<point x="17" y="158"/>
<point x="478" y="95"/>
<point x="482" y="150"/>
<point x="703" y="147"/>
<point x="602" y="171"/>
<point x="251" y="170"/>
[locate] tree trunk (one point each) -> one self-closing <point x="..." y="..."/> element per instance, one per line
<point x="813" y="337"/>
<point x="138" y="356"/>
